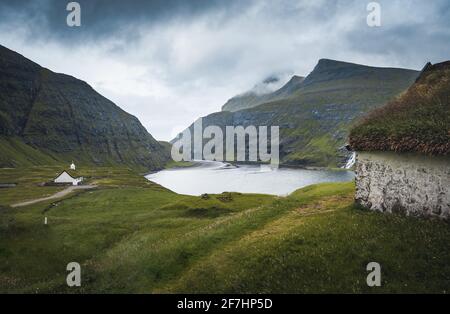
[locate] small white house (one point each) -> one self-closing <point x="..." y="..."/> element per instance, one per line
<point x="72" y="166"/>
<point x="65" y="177"/>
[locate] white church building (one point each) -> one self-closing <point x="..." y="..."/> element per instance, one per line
<point x="65" y="178"/>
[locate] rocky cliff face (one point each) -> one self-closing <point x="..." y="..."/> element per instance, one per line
<point x="65" y="117"/>
<point x="315" y="114"/>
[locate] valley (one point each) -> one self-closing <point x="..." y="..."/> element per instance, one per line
<point x="132" y="235"/>
<point x="294" y="231"/>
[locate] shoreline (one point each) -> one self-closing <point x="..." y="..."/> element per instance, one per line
<point x="198" y="163"/>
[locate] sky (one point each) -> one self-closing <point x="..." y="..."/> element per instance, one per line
<point x="169" y="62"/>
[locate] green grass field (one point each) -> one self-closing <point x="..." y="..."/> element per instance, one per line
<point x="130" y="235"/>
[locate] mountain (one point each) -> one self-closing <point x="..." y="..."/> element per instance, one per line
<point x="262" y="93"/>
<point x="315" y="114"/>
<point x="417" y="121"/>
<point x="58" y="117"/>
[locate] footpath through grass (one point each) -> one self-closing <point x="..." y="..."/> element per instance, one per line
<point x="130" y="235"/>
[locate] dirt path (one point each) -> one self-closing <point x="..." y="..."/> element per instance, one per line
<point x="56" y="195"/>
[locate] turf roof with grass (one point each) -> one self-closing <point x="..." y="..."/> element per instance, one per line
<point x="416" y="121"/>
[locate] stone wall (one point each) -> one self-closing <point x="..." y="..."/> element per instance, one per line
<point x="412" y="184"/>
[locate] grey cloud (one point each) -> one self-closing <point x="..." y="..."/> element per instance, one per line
<point x="169" y="62"/>
<point x="411" y="34"/>
<point x="103" y="18"/>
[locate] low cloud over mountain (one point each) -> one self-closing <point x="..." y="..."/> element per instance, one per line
<point x="173" y="61"/>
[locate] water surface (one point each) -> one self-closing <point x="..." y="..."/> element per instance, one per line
<point x="217" y="177"/>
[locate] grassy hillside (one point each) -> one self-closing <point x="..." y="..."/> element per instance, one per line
<point x="418" y="120"/>
<point x="66" y="118"/>
<point x="131" y="235"/>
<point x="16" y="153"/>
<point x="315" y="116"/>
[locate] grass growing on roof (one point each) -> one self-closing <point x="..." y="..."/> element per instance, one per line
<point x="418" y="120"/>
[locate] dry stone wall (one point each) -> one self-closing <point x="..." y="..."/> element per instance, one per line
<point x="412" y="184"/>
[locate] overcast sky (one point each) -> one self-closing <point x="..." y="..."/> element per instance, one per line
<point x="170" y="62"/>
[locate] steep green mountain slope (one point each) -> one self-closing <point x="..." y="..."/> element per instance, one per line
<point x="418" y="120"/>
<point x="14" y="152"/>
<point x="314" y="118"/>
<point x="66" y="119"/>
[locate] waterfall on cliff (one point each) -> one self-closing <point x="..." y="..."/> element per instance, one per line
<point x="350" y="161"/>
